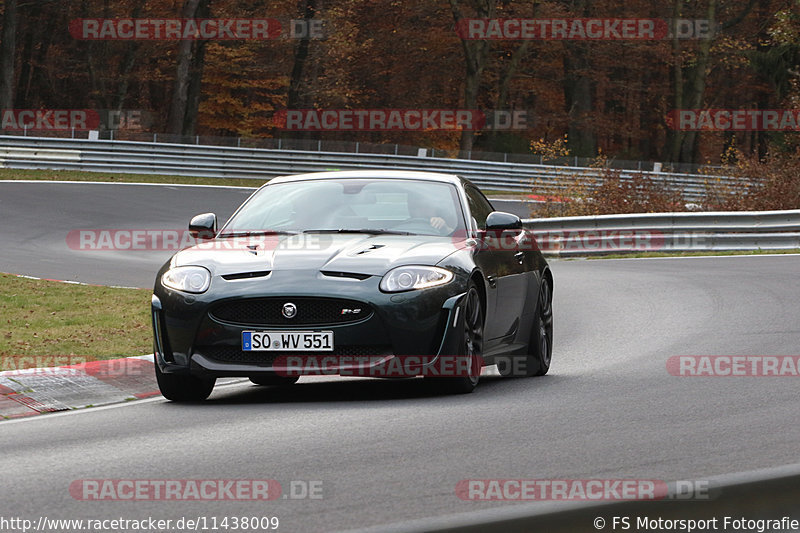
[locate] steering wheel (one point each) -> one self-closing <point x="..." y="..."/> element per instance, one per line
<point x="423" y="225"/>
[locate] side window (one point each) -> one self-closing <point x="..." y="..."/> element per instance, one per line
<point x="478" y="206"/>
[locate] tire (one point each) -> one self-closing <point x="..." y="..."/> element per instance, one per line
<point x="274" y="380"/>
<point x="470" y="345"/>
<point x="540" y="343"/>
<point x="184" y="388"/>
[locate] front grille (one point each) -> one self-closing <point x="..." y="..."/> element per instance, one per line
<point x="311" y="311"/>
<point x="234" y="354"/>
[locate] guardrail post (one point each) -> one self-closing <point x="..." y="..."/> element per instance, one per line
<point x="155" y="137"/>
<point x="319" y="145"/>
<point x="356" y="146"/>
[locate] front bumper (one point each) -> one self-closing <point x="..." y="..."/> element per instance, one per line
<point x="187" y="339"/>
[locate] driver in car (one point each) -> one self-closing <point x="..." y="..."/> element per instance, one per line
<point x="420" y="208"/>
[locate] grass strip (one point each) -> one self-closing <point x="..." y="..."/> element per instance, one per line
<point x="49" y="318"/>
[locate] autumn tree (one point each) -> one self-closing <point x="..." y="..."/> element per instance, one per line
<point x="186" y="94"/>
<point x="7" y="54"/>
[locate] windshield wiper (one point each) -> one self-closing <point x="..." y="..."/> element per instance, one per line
<point x="253" y="233"/>
<point x="368" y="231"/>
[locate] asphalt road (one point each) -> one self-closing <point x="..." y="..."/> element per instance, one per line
<point x="389" y="451"/>
<point x="39" y="216"/>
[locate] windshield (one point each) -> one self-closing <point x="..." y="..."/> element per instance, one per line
<point x="352" y="205"/>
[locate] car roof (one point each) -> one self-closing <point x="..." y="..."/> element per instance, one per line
<point x="353" y="174"/>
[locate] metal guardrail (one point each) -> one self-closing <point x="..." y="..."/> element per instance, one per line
<point x="667" y="232"/>
<point x="263" y="164"/>
<point x="355" y="147"/>
<point x="563" y="236"/>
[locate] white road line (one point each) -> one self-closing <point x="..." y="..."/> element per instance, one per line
<point x="743" y="254"/>
<point x="131" y="183"/>
<point x="179" y="185"/>
<point x="49" y="416"/>
<point x="72" y="282"/>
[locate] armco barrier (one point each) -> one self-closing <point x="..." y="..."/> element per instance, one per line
<point x="567" y="236"/>
<point x="263" y="164"/>
<point x="667" y="232"/>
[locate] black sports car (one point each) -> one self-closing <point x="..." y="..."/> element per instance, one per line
<point x="376" y="273"/>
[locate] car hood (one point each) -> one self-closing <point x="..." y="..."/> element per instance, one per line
<point x="347" y="253"/>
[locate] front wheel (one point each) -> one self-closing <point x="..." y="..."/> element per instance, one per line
<point x="184" y="388"/>
<point x="470" y="347"/>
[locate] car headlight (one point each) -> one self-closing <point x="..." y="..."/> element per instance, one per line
<point x="195" y="279"/>
<point x="408" y="278"/>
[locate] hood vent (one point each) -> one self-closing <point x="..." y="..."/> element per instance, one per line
<point x="246" y="275"/>
<point x="347" y="275"/>
<point x="369" y="249"/>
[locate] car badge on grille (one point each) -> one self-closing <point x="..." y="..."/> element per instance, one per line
<point x="289" y="310"/>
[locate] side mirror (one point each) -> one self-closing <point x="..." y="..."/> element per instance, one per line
<point x="203" y="226"/>
<point x="502" y="221"/>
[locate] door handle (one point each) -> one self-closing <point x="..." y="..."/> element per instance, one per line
<point x="520" y="256"/>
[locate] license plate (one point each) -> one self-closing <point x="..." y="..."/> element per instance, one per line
<point x="287" y="341"/>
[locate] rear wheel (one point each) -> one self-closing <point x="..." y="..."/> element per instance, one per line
<point x="184" y="388"/>
<point x="470" y="347"/>
<point x="540" y="345"/>
<point x="274" y="380"/>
